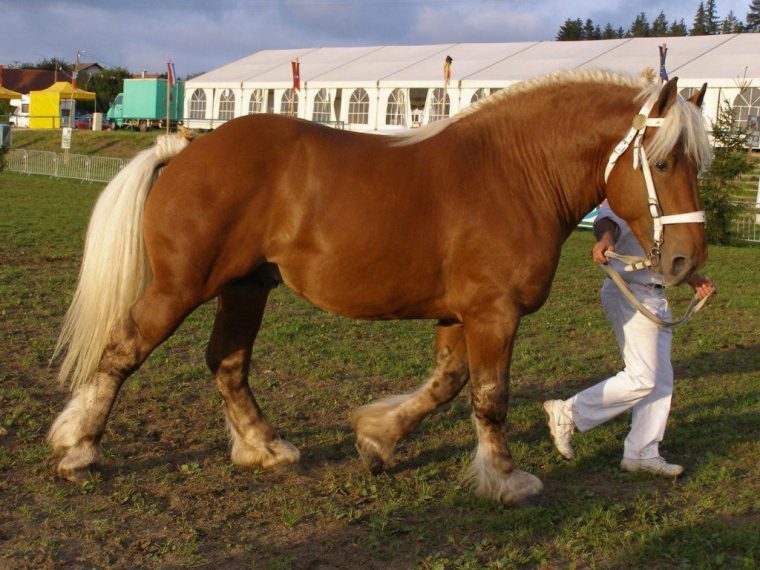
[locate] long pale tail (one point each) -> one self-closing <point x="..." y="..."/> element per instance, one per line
<point x="115" y="269"/>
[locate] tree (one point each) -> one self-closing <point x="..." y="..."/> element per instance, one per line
<point x="50" y="63"/>
<point x="731" y="24"/>
<point x="107" y="85"/>
<point x="678" y="28"/>
<point x="588" y="30"/>
<point x="753" y="17"/>
<point x="660" y="26"/>
<point x="640" y="27"/>
<point x="711" y="17"/>
<point x="699" y="27"/>
<point x="571" y="30"/>
<point x="609" y="32"/>
<point x="720" y="181"/>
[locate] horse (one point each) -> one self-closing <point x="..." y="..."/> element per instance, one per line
<point x="460" y="222"/>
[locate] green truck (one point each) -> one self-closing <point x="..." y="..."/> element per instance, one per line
<point x="142" y="105"/>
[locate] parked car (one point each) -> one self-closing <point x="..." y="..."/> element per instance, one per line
<point x="85" y="122"/>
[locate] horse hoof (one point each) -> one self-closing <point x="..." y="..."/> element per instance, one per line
<point x="78" y="462"/>
<point x="281" y="453"/>
<point x="370" y="453"/>
<point x="74" y="474"/>
<point x="275" y="453"/>
<point x="522" y="489"/>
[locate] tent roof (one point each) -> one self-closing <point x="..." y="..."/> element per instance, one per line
<point x="709" y="58"/>
<point x="8" y="94"/>
<point x="66" y="91"/>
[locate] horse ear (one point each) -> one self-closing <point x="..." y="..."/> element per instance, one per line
<point x="667" y="97"/>
<point x="699" y="96"/>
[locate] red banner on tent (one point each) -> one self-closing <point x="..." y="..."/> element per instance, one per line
<point x="171" y="76"/>
<point x="296" y="67"/>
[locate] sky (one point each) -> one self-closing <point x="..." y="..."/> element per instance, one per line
<point x="202" y="35"/>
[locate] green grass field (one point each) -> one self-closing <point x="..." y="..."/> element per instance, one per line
<point x="118" y="144"/>
<point x="168" y="496"/>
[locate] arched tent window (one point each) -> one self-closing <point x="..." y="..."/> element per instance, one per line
<point x="198" y="104"/>
<point x="747" y="108"/>
<point x="478" y="95"/>
<point x="227" y="105"/>
<point x="438" y="108"/>
<point x="321" y="107"/>
<point x="395" y="113"/>
<point x="358" y="107"/>
<point x="289" y="103"/>
<point x="256" y="103"/>
<point x="687" y="92"/>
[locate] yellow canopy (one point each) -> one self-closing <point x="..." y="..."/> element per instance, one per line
<point x="65" y="91"/>
<point x="8" y="94"/>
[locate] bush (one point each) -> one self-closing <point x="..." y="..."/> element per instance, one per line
<point x="719" y="182"/>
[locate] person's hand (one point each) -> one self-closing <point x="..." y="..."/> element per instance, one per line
<point x="703" y="286"/>
<point x="597" y="252"/>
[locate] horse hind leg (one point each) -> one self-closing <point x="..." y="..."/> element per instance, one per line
<point x="379" y="425"/>
<point x="75" y="435"/>
<point x="254" y="441"/>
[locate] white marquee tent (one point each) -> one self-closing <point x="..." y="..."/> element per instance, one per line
<point x="387" y="88"/>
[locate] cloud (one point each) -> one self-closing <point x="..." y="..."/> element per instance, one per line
<point x="487" y="23"/>
<point x="200" y="35"/>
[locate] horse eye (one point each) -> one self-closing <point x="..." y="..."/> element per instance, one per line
<point x="661" y="165"/>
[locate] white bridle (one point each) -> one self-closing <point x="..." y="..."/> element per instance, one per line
<point x="652" y="259"/>
<point x="636" y="135"/>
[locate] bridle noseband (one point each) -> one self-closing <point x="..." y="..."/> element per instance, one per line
<point x="636" y="135"/>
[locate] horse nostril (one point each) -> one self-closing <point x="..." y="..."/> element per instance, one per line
<point x="679" y="264"/>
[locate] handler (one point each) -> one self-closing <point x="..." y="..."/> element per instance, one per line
<point x="646" y="382"/>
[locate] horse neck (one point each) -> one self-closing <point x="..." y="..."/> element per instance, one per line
<point x="564" y="144"/>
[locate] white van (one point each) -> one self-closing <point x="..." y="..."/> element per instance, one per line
<point x="20" y="116"/>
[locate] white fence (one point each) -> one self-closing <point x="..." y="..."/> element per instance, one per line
<point x="59" y="165"/>
<point x="747" y="222"/>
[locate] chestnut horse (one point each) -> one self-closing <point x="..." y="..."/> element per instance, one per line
<point x="461" y="222"/>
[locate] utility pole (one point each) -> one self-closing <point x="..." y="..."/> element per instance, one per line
<point x="74" y="87"/>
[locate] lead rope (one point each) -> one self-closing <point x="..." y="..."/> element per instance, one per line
<point x="694" y="305"/>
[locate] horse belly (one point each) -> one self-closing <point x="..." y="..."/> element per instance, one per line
<point x="357" y="290"/>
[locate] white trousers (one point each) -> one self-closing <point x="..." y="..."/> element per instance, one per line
<point x="646" y="382"/>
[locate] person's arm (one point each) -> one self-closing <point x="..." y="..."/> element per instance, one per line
<point x="606" y="232"/>
<point x="703" y="286"/>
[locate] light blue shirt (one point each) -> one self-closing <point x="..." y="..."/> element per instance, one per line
<point x="627" y="244"/>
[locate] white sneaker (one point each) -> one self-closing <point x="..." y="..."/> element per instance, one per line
<point x="656" y="465"/>
<point x="561" y="427"/>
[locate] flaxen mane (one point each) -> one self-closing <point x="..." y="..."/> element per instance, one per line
<point x="684" y="120"/>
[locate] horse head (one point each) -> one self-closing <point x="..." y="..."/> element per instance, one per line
<point x="653" y="185"/>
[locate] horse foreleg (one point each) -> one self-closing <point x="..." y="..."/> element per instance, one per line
<point x="76" y="433"/>
<point x="240" y="308"/>
<point x="493" y="473"/>
<point x="379" y="425"/>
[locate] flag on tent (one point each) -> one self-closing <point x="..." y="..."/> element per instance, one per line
<point x="663" y="55"/>
<point x="447" y="69"/>
<point x="171" y="77"/>
<point x="296" y="68"/>
<point x="171" y="74"/>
